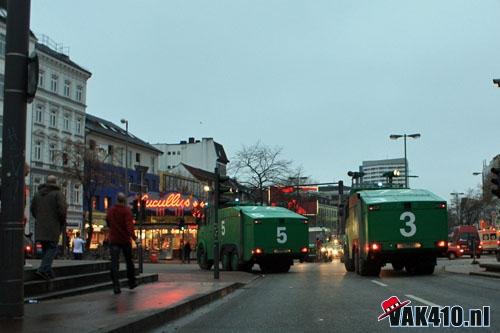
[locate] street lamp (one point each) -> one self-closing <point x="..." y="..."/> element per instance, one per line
<point x="404" y="136"/>
<point x="482" y="181"/>
<point x="125" y="121"/>
<point x="457" y="206"/>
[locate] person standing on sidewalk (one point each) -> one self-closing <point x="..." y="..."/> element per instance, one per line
<point x="49" y="209"/>
<point x="121" y="230"/>
<point x="187" y="252"/>
<point x="78" y="244"/>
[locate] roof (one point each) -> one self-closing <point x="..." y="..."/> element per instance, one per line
<point x="104" y="127"/>
<point x="200" y="174"/>
<point x="269" y="212"/>
<point x="397" y="195"/>
<point x="221" y="154"/>
<point x="60" y="56"/>
<point x="391" y="161"/>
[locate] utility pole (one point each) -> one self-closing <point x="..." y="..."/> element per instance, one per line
<point x="142" y="171"/>
<point x="13" y="159"/>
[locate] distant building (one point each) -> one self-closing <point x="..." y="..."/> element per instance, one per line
<point x="375" y="169"/>
<point x="205" y="154"/>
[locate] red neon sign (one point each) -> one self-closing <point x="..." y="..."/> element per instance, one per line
<point x="173" y="200"/>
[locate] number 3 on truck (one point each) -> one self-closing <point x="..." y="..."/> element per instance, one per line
<point x="408" y="223"/>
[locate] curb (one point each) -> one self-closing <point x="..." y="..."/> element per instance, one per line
<point x="154" y="320"/>
<point x="486" y="274"/>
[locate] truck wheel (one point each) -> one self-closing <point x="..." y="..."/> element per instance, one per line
<point x="201" y="258"/>
<point x="226" y="260"/>
<point x="235" y="261"/>
<point x="282" y="267"/>
<point x="426" y="269"/>
<point x="451" y="255"/>
<point x="356" y="261"/>
<point x="349" y="263"/>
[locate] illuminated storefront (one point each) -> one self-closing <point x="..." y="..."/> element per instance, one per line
<point x="164" y="213"/>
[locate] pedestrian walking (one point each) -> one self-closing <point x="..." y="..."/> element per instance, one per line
<point x="121" y="230"/>
<point x="187" y="252"/>
<point x="78" y="245"/>
<point x="49" y="210"/>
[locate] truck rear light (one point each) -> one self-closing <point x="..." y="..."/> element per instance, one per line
<point x="442" y="205"/>
<point x="441" y="243"/>
<point x="257" y="221"/>
<point x="257" y="251"/>
<point x="304" y="250"/>
<point x="372" y="208"/>
<point x="374" y="247"/>
<point x="306" y="222"/>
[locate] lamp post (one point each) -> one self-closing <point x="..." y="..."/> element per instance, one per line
<point x="482" y="181"/>
<point x="125" y="121"/>
<point x="404" y="136"/>
<point x="457" y="205"/>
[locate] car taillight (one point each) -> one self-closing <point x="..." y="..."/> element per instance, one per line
<point x="304" y="250"/>
<point x="257" y="251"/>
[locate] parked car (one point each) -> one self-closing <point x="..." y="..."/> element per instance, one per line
<point x="464" y="237"/>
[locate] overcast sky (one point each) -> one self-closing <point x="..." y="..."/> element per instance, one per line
<point x="329" y="81"/>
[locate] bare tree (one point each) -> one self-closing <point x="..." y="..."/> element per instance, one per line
<point x="94" y="168"/>
<point x="259" y="166"/>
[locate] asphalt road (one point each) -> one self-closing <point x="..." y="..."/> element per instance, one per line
<point x="324" y="298"/>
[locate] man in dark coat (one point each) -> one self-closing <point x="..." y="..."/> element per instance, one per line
<point x="49" y="209"/>
<point x="121" y="231"/>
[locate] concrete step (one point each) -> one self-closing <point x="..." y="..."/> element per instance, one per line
<point x="71" y="269"/>
<point x="59" y="283"/>
<point x="491" y="267"/>
<point x="486" y="274"/>
<point x="141" y="279"/>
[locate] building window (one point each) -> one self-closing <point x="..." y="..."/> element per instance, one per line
<point x="65" y="159"/>
<point x="38" y="150"/>
<point x="138" y="157"/>
<point x="2" y="45"/>
<point x="168" y="153"/>
<point x="41" y="79"/>
<point x="39" y="113"/>
<point x="67" y="88"/>
<point x="52" y="153"/>
<point x="53" y="83"/>
<point x="79" y="126"/>
<point x="129" y="158"/>
<point x="79" y="93"/>
<point x="107" y="203"/>
<point x="53" y="118"/>
<point x="66" y="121"/>
<point x="2" y="85"/>
<point x="76" y="195"/>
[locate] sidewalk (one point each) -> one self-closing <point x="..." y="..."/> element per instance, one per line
<point x="465" y="266"/>
<point x="182" y="288"/>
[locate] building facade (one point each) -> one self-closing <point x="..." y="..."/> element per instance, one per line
<point x="205" y="154"/>
<point x="373" y="170"/>
<point x="112" y="157"/>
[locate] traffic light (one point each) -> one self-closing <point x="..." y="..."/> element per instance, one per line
<point x="222" y="186"/>
<point x="495" y="179"/>
<point x="341" y="187"/>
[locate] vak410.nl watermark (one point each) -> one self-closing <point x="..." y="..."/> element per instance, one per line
<point x="402" y="314"/>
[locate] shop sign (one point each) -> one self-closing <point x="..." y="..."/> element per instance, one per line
<point x="174" y="200"/>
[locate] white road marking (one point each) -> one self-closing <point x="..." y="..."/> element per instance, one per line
<point x="421" y="300"/>
<point x="379" y="283"/>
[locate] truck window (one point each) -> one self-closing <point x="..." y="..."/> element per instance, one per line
<point x="486" y="237"/>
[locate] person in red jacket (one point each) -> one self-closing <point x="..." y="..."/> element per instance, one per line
<point x="121" y="231"/>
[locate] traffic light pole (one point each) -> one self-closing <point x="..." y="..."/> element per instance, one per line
<point x="14" y="145"/>
<point x="216" y="223"/>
